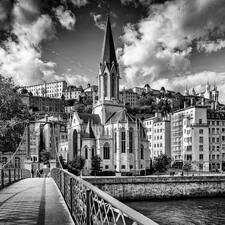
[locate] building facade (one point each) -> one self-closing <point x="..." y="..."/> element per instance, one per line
<point x="128" y="96"/>
<point x="52" y="89"/>
<point x="159" y="135"/>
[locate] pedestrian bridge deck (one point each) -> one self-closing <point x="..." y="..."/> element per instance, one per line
<point x="33" y="201"/>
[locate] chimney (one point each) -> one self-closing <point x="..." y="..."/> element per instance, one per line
<point x="192" y="101"/>
<point x="213" y="105"/>
<point x="185" y="103"/>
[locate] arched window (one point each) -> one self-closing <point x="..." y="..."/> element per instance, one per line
<point x="105" y="84"/>
<point x="17" y="162"/>
<point x="86" y="152"/>
<point x="142" y="152"/>
<point x="106" y="151"/>
<point x="131" y="140"/>
<point x="75" y="143"/>
<point x="92" y="151"/>
<point x="113" y="85"/>
<point x="123" y="141"/>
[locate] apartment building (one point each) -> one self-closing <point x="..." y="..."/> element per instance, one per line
<point x="190" y="137"/>
<point x="52" y="89"/>
<point x="216" y="123"/>
<point x="158" y="135"/>
<point x="128" y="96"/>
<point x="72" y="92"/>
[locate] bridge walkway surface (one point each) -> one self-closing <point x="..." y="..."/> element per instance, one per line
<point x="33" y="201"/>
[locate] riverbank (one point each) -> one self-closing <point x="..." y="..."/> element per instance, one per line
<point x="160" y="187"/>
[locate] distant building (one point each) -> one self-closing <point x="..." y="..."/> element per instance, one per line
<point x="90" y="90"/>
<point x="43" y="105"/>
<point x="128" y="96"/>
<point x="158" y="135"/>
<point x="138" y="90"/>
<point x="72" y="92"/>
<point x="190" y="137"/>
<point x="52" y="89"/>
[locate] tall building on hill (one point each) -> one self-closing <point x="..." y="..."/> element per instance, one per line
<point x="52" y="89"/>
<point x="109" y="132"/>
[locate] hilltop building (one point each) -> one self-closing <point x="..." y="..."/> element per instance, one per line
<point x="109" y="132"/>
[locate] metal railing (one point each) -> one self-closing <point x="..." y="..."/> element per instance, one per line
<point x="10" y="175"/>
<point x="91" y="206"/>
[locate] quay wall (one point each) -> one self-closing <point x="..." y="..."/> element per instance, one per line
<point x="144" y="188"/>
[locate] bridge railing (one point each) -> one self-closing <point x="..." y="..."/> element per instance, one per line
<point x="91" y="206"/>
<point x="10" y="175"/>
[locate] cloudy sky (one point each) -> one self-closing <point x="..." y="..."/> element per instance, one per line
<point x="164" y="43"/>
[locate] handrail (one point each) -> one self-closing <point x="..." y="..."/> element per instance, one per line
<point x="90" y="205"/>
<point x="8" y="176"/>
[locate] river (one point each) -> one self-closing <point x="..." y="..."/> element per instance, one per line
<point x="200" y="211"/>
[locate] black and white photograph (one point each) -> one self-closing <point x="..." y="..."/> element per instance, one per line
<point x="112" y="112"/>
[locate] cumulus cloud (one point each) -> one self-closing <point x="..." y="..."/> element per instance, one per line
<point x="98" y="21"/>
<point x="65" y="17"/>
<point x="73" y="78"/>
<point x="160" y="46"/>
<point x="27" y="25"/>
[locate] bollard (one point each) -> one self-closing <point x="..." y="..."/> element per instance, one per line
<point x="88" y="191"/>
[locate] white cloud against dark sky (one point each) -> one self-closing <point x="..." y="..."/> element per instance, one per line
<point x="159" y="42"/>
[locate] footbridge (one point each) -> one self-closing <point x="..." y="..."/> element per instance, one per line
<point x="61" y="198"/>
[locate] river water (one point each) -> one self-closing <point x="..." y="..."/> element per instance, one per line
<point x="201" y="211"/>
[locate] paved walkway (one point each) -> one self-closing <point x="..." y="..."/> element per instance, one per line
<point x="33" y="201"/>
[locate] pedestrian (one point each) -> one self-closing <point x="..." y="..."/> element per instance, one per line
<point x="32" y="172"/>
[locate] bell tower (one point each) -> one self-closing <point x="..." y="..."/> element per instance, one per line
<point x="108" y="78"/>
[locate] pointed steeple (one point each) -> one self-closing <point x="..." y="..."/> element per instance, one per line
<point x="108" y="50"/>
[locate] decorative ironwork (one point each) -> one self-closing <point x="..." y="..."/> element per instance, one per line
<point x="91" y="206"/>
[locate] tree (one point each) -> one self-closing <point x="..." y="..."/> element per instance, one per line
<point x="76" y="165"/>
<point x="96" y="165"/>
<point x="187" y="167"/>
<point x="161" y="163"/>
<point x="13" y="113"/>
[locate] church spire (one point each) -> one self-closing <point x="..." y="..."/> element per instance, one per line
<point x="108" y="50"/>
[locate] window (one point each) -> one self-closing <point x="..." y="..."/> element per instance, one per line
<point x="131" y="166"/>
<point x="142" y="152"/>
<point x="105" y="84"/>
<point x="200" y="131"/>
<point x="123" y="141"/>
<point x="123" y="167"/>
<point x="86" y="152"/>
<point x="92" y="151"/>
<point x="115" y="141"/>
<point x="131" y="141"/>
<point x="201" y="140"/>
<point x="200" y="121"/>
<point x="201" y="157"/>
<point x="106" y="167"/>
<point x="189" y="157"/>
<point x="106" y="151"/>
<point x="200" y="147"/>
<point x="217" y="139"/>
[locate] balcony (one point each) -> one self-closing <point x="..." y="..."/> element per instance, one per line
<point x="199" y="125"/>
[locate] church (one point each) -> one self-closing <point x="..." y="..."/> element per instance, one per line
<point x="109" y="131"/>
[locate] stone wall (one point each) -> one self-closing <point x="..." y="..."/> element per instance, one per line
<point x="143" y="188"/>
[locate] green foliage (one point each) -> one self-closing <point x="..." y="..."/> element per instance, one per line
<point x="13" y="114"/>
<point x="76" y="165"/>
<point x="96" y="165"/>
<point x="161" y="163"/>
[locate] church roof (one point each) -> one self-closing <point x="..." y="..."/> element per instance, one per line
<point x="92" y="117"/>
<point x="89" y="132"/>
<point x="108" y="50"/>
<point x="120" y="116"/>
